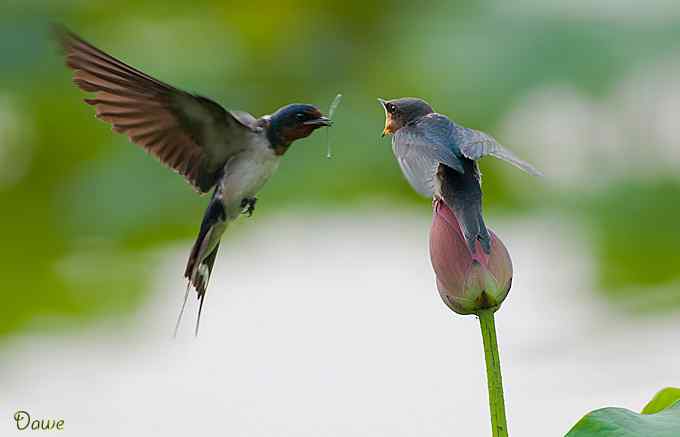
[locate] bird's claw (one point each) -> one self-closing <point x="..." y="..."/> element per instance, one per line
<point x="248" y="205"/>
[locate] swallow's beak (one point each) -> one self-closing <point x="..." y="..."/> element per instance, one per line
<point x="319" y="122"/>
<point x="388" y="119"/>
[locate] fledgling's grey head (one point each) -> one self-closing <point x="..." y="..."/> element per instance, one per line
<point x="400" y="112"/>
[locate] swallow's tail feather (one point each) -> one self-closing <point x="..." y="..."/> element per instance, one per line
<point x="462" y="192"/>
<point x="181" y="311"/>
<point x="203" y="254"/>
<point x="200" y="282"/>
<point x="474" y="228"/>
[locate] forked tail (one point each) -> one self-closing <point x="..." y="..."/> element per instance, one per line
<point x="203" y="254"/>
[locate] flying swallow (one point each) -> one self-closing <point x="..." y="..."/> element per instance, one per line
<point x="213" y="148"/>
<point x="439" y="159"/>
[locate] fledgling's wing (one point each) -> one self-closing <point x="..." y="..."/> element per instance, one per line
<point x="420" y="148"/>
<point x="474" y="144"/>
<point x="190" y="134"/>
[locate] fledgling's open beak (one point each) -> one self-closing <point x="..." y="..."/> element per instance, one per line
<point x="389" y="125"/>
<point x="319" y="122"/>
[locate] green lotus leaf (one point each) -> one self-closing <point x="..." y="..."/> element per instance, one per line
<point x="619" y="422"/>
<point x="662" y="400"/>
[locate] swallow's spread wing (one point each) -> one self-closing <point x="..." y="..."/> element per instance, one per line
<point x="190" y="134"/>
<point x="474" y="144"/>
<point x="421" y="147"/>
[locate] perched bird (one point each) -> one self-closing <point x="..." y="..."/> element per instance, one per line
<point x="229" y="152"/>
<point x="439" y="158"/>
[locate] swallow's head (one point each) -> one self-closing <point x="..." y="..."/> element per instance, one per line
<point x="400" y="112"/>
<point x="293" y="122"/>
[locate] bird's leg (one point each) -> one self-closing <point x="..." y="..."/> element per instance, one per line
<point x="248" y="205"/>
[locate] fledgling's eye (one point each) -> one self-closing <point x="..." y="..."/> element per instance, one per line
<point x="300" y="116"/>
<point x="391" y="108"/>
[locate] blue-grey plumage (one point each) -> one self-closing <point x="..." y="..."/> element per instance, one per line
<point x="438" y="158"/>
<point x="231" y="152"/>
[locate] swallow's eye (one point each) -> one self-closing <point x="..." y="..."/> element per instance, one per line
<point x="390" y="108"/>
<point x="300" y="116"/>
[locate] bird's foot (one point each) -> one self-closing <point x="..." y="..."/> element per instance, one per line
<point x="248" y="205"/>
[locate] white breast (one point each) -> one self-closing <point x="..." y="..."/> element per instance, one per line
<point x="246" y="173"/>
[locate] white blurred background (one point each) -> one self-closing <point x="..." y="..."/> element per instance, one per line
<point x="334" y="327"/>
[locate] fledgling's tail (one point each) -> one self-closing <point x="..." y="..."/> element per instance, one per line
<point x="462" y="192"/>
<point x="203" y="254"/>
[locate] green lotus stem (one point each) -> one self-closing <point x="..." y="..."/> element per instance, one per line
<point x="494" y="381"/>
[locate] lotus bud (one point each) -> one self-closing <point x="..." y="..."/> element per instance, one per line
<point x="467" y="282"/>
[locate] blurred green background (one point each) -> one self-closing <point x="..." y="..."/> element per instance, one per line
<point x="587" y="91"/>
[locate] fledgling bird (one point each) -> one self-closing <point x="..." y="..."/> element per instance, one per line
<point x="439" y="159"/>
<point x="230" y="152"/>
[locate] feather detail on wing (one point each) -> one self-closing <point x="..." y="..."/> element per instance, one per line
<point x="190" y="134"/>
<point x="474" y="145"/>
<point x="420" y="148"/>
